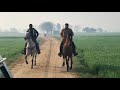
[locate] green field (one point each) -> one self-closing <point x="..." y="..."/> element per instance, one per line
<point x="99" y="55"/>
<point x="11" y="48"/>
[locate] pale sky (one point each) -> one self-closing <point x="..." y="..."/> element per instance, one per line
<point x="21" y="20"/>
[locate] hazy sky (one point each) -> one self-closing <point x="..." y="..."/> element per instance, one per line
<point x="21" y="20"/>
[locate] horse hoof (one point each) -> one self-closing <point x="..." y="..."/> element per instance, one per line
<point x="31" y="67"/>
<point x="70" y="68"/>
<point x="63" y="64"/>
<point x="26" y="62"/>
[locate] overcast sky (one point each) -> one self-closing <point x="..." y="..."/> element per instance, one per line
<point x="21" y="20"/>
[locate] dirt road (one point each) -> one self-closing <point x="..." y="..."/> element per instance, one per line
<point x="49" y="64"/>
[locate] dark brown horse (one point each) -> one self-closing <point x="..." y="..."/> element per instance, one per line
<point x="67" y="53"/>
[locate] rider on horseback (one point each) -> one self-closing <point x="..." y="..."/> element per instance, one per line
<point x="34" y="34"/>
<point x="64" y="34"/>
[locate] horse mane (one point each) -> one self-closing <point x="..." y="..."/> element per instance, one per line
<point x="67" y="41"/>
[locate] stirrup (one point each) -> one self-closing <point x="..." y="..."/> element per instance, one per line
<point x="75" y="54"/>
<point x="59" y="54"/>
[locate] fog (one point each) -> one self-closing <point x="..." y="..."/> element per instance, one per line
<point x="19" y="21"/>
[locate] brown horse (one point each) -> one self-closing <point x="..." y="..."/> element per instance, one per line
<point x="67" y="52"/>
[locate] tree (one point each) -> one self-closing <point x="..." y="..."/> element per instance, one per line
<point x="58" y="27"/>
<point x="92" y="30"/>
<point x="47" y="26"/>
<point x="87" y="29"/>
<point x="54" y="28"/>
<point x="99" y="29"/>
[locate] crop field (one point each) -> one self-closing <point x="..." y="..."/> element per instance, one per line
<point x="11" y="48"/>
<point x="99" y="55"/>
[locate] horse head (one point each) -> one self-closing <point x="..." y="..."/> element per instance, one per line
<point x="27" y="36"/>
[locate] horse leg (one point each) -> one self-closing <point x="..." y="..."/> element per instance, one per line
<point x="63" y="62"/>
<point x="26" y="59"/>
<point x="71" y="63"/>
<point x="68" y="61"/>
<point x="35" y="58"/>
<point x="67" y="64"/>
<point x="32" y="61"/>
<point x="68" y="58"/>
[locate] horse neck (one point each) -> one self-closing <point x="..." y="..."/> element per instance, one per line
<point x="67" y="41"/>
<point x="30" y="42"/>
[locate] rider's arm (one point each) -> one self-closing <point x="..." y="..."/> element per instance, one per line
<point x="72" y="34"/>
<point x="37" y="32"/>
<point x="61" y="33"/>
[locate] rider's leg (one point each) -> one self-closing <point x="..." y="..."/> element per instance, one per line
<point x="74" y="49"/>
<point x="37" y="46"/>
<point x="24" y="51"/>
<point x="61" y="48"/>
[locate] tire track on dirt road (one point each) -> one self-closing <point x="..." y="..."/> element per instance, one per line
<point x="48" y="60"/>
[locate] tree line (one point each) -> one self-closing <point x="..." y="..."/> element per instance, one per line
<point x="51" y="28"/>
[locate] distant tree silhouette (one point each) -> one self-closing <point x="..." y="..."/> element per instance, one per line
<point x="99" y="29"/>
<point x="87" y="29"/>
<point x="58" y="26"/>
<point x="47" y="26"/>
